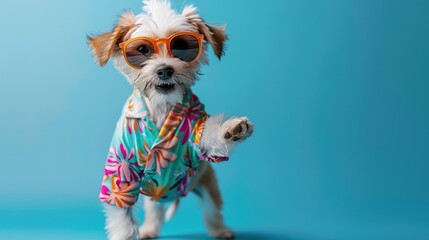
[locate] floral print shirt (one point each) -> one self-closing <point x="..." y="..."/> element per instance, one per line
<point x="156" y="163"/>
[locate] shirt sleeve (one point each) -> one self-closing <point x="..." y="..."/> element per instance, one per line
<point x="122" y="172"/>
<point x="195" y="150"/>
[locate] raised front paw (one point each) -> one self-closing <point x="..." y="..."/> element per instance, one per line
<point x="237" y="129"/>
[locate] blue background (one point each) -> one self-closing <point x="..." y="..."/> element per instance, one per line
<point x="338" y="91"/>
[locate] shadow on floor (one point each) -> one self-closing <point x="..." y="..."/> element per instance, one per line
<point x="238" y="236"/>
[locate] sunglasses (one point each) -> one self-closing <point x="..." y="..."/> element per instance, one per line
<point x="183" y="45"/>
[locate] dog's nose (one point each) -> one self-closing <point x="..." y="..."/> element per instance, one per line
<point x="165" y="73"/>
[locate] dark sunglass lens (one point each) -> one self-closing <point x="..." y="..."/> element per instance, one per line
<point x="138" y="52"/>
<point x="185" y="47"/>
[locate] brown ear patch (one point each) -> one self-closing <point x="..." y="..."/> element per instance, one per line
<point x="218" y="40"/>
<point x="106" y="44"/>
<point x="214" y="35"/>
<point x="101" y="47"/>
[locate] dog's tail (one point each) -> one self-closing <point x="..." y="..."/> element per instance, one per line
<point x="171" y="210"/>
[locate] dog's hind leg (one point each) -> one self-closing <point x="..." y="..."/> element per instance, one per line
<point x="211" y="199"/>
<point x="120" y="223"/>
<point x="153" y="220"/>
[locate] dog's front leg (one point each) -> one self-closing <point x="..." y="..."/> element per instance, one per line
<point x="153" y="220"/>
<point x="221" y="135"/>
<point x="120" y="223"/>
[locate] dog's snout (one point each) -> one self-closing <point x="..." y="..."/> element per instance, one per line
<point x="165" y="72"/>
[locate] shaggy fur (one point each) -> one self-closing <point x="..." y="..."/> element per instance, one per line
<point x="221" y="134"/>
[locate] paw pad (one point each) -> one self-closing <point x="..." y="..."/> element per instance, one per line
<point x="239" y="129"/>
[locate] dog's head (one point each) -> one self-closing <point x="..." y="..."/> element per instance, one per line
<point x="159" y="50"/>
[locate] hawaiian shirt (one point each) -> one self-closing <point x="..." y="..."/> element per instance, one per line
<point x="156" y="163"/>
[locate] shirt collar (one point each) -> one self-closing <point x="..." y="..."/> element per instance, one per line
<point x="136" y="107"/>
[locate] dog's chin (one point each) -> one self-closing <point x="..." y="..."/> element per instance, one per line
<point x="165" y="88"/>
<point x="165" y="94"/>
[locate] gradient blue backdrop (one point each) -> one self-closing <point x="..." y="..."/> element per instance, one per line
<point x="338" y="91"/>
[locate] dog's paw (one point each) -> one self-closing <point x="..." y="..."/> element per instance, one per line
<point x="148" y="232"/>
<point x="223" y="233"/>
<point x="149" y="235"/>
<point x="237" y="129"/>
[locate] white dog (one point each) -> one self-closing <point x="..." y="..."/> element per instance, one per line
<point x="164" y="140"/>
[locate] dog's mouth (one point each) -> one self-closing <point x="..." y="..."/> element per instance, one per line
<point x="165" y="87"/>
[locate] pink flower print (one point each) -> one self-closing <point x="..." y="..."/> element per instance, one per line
<point x="186" y="127"/>
<point x="132" y="125"/>
<point x="192" y="114"/>
<point x="162" y="153"/>
<point x="135" y="107"/>
<point x="120" y="164"/>
<point x="183" y="187"/>
<point x="142" y="125"/>
<point x="155" y="192"/>
<point x="172" y="120"/>
<point x="122" y="194"/>
<point x="142" y="156"/>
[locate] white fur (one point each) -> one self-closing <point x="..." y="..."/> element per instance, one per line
<point x="172" y="210"/>
<point x="212" y="140"/>
<point x="159" y="21"/>
<point x="154" y="217"/>
<point x="120" y="223"/>
<point x="157" y="110"/>
<point x="213" y="217"/>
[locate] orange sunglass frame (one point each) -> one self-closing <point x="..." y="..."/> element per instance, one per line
<point x="166" y="41"/>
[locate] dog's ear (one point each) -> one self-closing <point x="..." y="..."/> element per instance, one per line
<point x="106" y="44"/>
<point x="216" y="36"/>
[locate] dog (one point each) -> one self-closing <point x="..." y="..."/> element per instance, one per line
<point x="164" y="141"/>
